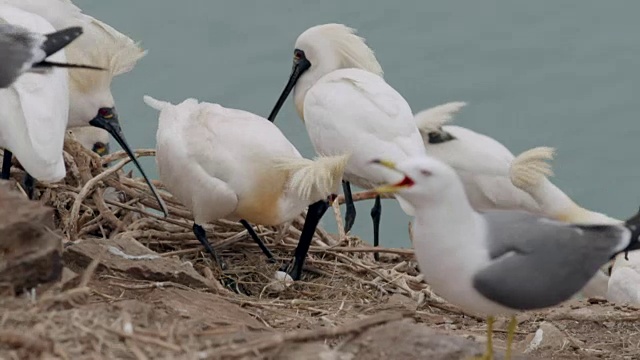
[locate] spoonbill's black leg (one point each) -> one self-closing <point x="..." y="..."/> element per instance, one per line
<point x="28" y="185"/>
<point x="201" y="235"/>
<point x="376" y="213"/>
<point x="6" y="165"/>
<point x="258" y="241"/>
<point x="314" y="214"/>
<point x="350" y="215"/>
<point x="6" y="170"/>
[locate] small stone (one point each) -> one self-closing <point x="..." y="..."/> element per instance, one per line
<point x="546" y="337"/>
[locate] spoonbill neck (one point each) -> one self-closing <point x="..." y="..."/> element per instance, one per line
<point x="304" y="83"/>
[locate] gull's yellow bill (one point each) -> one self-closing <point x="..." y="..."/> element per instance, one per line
<point x="392" y="188"/>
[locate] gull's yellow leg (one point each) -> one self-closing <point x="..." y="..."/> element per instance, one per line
<point x="488" y="354"/>
<point x="511" y="329"/>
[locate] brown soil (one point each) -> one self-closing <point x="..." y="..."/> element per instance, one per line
<point x="136" y="286"/>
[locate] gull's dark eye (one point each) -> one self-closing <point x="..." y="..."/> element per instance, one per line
<point x="298" y="54"/>
<point x="425" y="172"/>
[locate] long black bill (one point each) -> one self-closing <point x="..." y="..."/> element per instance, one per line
<point x="107" y="119"/>
<point x="49" y="64"/>
<point x="300" y="65"/>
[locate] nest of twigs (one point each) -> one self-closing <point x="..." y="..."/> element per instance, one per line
<point x="97" y="199"/>
<point x="342" y="293"/>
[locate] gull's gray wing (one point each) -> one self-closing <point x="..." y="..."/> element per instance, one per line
<point x="18" y="47"/>
<point x="537" y="262"/>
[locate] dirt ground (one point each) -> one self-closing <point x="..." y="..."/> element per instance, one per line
<point x="137" y="286"/>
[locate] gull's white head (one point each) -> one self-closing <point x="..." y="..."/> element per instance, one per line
<point x="320" y="50"/>
<point x="424" y="179"/>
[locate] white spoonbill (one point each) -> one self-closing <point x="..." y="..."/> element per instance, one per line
<point x="348" y="108"/>
<point x="35" y="107"/>
<point x="499" y="262"/>
<point x="232" y="164"/>
<point x="492" y="176"/>
<point x="494" y="179"/>
<point x="90" y="98"/>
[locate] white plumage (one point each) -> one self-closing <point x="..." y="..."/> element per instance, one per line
<point x="91" y="137"/>
<point x="228" y="163"/>
<point x="347" y="106"/>
<point x="89" y="95"/>
<point x="499" y="262"/>
<point x="35" y="109"/>
<point x="100" y="45"/>
<point x="494" y="179"/>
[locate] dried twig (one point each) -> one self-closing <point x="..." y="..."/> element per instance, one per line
<point x="271" y="341"/>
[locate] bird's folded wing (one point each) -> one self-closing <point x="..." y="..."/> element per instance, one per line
<point x="536" y="262"/>
<point x="44" y="103"/>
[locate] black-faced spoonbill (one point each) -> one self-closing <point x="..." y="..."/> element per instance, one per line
<point x="92" y="138"/>
<point x="499" y="262"/>
<point x="90" y="98"/>
<point x="35" y="106"/>
<point x="232" y="164"/>
<point x="495" y="179"/>
<point x="348" y="108"/>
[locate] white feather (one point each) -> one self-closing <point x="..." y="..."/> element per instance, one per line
<point x="228" y="163"/>
<point x="35" y="109"/>
<point x="88" y="136"/>
<point x="530" y="168"/>
<point x="314" y="179"/>
<point x="348" y="108"/>
<point x="434" y="118"/>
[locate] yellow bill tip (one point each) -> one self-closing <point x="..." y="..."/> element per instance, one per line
<point x="386" y="163"/>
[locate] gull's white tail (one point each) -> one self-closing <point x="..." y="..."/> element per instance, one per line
<point x="530" y="168"/>
<point x="314" y="179"/>
<point x="432" y="119"/>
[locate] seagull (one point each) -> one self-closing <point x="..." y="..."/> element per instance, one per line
<point x="231" y="164"/>
<point x="498" y="262"/>
<point x="495" y="179"/>
<point x="348" y="108"/>
<point x="36" y="104"/>
<point x="22" y="50"/>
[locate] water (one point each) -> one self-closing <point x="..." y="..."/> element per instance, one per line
<point x="562" y="74"/>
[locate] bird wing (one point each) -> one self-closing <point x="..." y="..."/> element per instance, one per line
<point x="19" y="49"/>
<point x="36" y="110"/>
<point x="536" y="262"/>
<point x="355" y="112"/>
